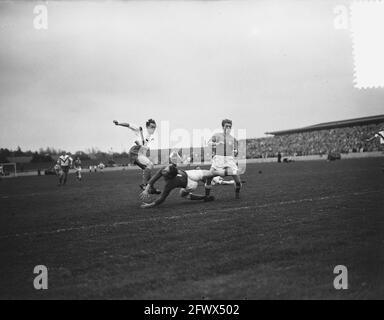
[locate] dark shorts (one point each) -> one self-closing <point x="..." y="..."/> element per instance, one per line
<point x="65" y="169"/>
<point x="134" y="151"/>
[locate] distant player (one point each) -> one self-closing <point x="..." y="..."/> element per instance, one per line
<point x="224" y="150"/>
<point x="1" y="170"/>
<point x="65" y="163"/>
<point x="174" y="178"/>
<point x="138" y="153"/>
<point x="77" y="167"/>
<point x="101" y="166"/>
<point x="379" y="135"/>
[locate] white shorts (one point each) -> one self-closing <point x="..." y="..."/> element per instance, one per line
<point x="64" y="169"/>
<point x="222" y="162"/>
<point x="143" y="160"/>
<point x="78" y="169"/>
<point x="194" y="176"/>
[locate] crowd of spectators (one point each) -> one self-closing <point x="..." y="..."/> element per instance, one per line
<point x="318" y="142"/>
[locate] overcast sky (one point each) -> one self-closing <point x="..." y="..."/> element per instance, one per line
<point x="266" y="65"/>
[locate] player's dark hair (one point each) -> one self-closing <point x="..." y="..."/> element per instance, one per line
<point x="149" y="122"/>
<point x="225" y="121"/>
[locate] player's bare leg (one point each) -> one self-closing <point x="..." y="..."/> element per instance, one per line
<point x="220" y="181"/>
<point x="227" y="183"/>
<point x="229" y="172"/>
<point x="65" y="177"/>
<point x="147" y="174"/>
<point x="60" y="178"/>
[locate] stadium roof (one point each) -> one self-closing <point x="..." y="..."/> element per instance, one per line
<point x="333" y="125"/>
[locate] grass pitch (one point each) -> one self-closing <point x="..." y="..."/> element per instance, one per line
<point x="294" y="223"/>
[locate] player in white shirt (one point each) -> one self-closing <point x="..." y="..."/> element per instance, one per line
<point x="138" y="152"/>
<point x="65" y="163"/>
<point x="379" y="135"/>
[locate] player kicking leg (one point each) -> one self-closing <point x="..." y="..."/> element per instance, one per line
<point x="174" y="178"/>
<point x="221" y="182"/>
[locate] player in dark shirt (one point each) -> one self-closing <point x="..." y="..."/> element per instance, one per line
<point x="177" y="178"/>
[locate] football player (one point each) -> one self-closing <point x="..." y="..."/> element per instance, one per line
<point x="379" y="135"/>
<point x="65" y="163"/>
<point x="174" y="178"/>
<point x="77" y="167"/>
<point x="224" y="150"/>
<point x="138" y="152"/>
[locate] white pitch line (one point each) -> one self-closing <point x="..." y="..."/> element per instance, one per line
<point x="231" y="209"/>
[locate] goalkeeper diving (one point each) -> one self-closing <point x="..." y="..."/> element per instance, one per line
<point x="187" y="181"/>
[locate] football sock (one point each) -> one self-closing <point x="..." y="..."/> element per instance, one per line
<point x="208" y="187"/>
<point x="196" y="197"/>
<point x="146" y="175"/>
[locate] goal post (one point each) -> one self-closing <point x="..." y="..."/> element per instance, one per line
<point x="8" y="170"/>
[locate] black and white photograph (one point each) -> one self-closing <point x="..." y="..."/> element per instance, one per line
<point x="205" y="152"/>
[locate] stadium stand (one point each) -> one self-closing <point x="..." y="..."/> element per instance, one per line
<point x="332" y="137"/>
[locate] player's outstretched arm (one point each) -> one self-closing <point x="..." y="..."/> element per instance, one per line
<point x="148" y="205"/>
<point x="371" y="138"/>
<point x="161" y="199"/>
<point x="151" y="182"/>
<point x="124" y="124"/>
<point x="214" y="141"/>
